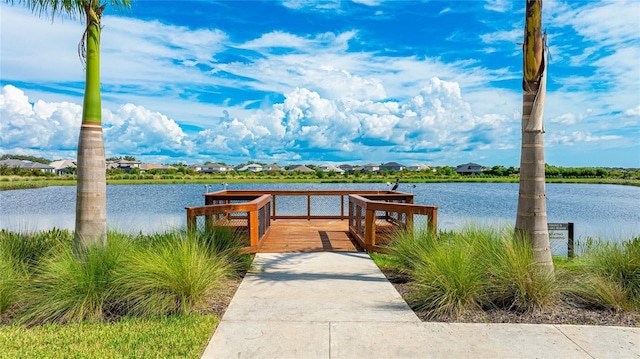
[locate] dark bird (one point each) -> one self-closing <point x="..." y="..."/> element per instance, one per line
<point x="395" y="186"/>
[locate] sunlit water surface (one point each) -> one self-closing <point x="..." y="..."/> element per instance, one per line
<point x="606" y="211"/>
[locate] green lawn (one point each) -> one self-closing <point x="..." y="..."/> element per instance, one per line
<point x="172" y="337"/>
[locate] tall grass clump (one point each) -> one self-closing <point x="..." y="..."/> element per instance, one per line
<point x="470" y="269"/>
<point x="447" y="277"/>
<point x="216" y="241"/>
<point x="73" y="286"/>
<point x="12" y="275"/>
<point x="514" y="281"/>
<point x="219" y="240"/>
<point x="608" y="276"/>
<point x="20" y="256"/>
<point x="409" y="249"/>
<point x="29" y="248"/>
<point x="225" y="241"/>
<point x="450" y="281"/>
<point x="174" y="275"/>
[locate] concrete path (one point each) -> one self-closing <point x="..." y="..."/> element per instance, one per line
<point x="339" y="305"/>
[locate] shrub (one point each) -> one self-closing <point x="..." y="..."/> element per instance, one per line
<point x="13" y="273"/>
<point x="176" y="274"/>
<point x="515" y="282"/>
<point x="224" y="242"/>
<point x="72" y="287"/>
<point x="465" y="270"/>
<point x="29" y="248"/>
<point x="609" y="276"/>
<point x="20" y="255"/>
<point x="449" y="281"/>
<point x="411" y="249"/>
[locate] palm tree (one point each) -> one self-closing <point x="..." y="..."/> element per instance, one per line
<point x="531" y="220"/>
<point x="91" y="200"/>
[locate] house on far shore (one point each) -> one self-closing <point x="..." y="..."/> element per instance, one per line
<point x="327" y="167"/>
<point x="63" y="167"/>
<point x="27" y="165"/>
<point x="252" y="167"/>
<point x="144" y="167"/>
<point x="392" y="166"/>
<point x="125" y="165"/>
<point x="214" y="168"/>
<point x="418" y="167"/>
<point x="469" y="169"/>
<point x="273" y="167"/>
<point x="302" y="169"/>
<point x="371" y="167"/>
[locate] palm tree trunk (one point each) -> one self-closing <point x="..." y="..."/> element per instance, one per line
<point x="91" y="201"/>
<point x="531" y="220"/>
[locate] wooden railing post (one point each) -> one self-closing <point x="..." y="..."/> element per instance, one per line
<point x="273" y="202"/>
<point x="359" y="219"/>
<point x="191" y="220"/>
<point x="433" y="222"/>
<point x="369" y="229"/>
<point x="254" y="235"/>
<point x="309" y="207"/>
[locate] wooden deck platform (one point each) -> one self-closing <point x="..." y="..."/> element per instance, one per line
<point x="309" y="236"/>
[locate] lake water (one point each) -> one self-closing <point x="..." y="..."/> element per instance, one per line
<point x="605" y="211"/>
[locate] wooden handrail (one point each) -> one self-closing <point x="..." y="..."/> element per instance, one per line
<point x="252" y="208"/>
<point x="365" y="233"/>
<point x="229" y="195"/>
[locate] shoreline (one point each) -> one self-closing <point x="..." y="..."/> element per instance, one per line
<point x="7" y="183"/>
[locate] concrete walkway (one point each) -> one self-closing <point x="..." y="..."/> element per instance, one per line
<point x="339" y="305"/>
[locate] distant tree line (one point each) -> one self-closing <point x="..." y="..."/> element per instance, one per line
<point x="500" y="171"/>
<point x="591" y="172"/>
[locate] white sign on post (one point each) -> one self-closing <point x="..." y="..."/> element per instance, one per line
<point x="559" y="232"/>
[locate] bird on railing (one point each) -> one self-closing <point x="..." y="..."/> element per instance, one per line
<point x="207" y="187"/>
<point x="224" y="184"/>
<point x="395" y="186"/>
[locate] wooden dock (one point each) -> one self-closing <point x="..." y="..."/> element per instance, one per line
<point x="312" y="220"/>
<point x="309" y="236"/>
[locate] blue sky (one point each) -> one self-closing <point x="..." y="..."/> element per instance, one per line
<point x="317" y="81"/>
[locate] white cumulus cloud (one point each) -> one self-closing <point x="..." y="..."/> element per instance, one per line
<point x="52" y="128"/>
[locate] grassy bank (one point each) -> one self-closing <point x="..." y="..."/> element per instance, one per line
<point x="14" y="182"/>
<point x="479" y="269"/>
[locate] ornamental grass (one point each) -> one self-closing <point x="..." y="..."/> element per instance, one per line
<point x="471" y="269"/>
<point x="45" y="281"/>
<point x="607" y="276"/>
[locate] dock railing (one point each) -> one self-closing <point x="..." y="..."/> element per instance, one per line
<point x="372" y="215"/>
<point x="374" y="219"/>
<point x="305" y="204"/>
<point x="250" y="215"/>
